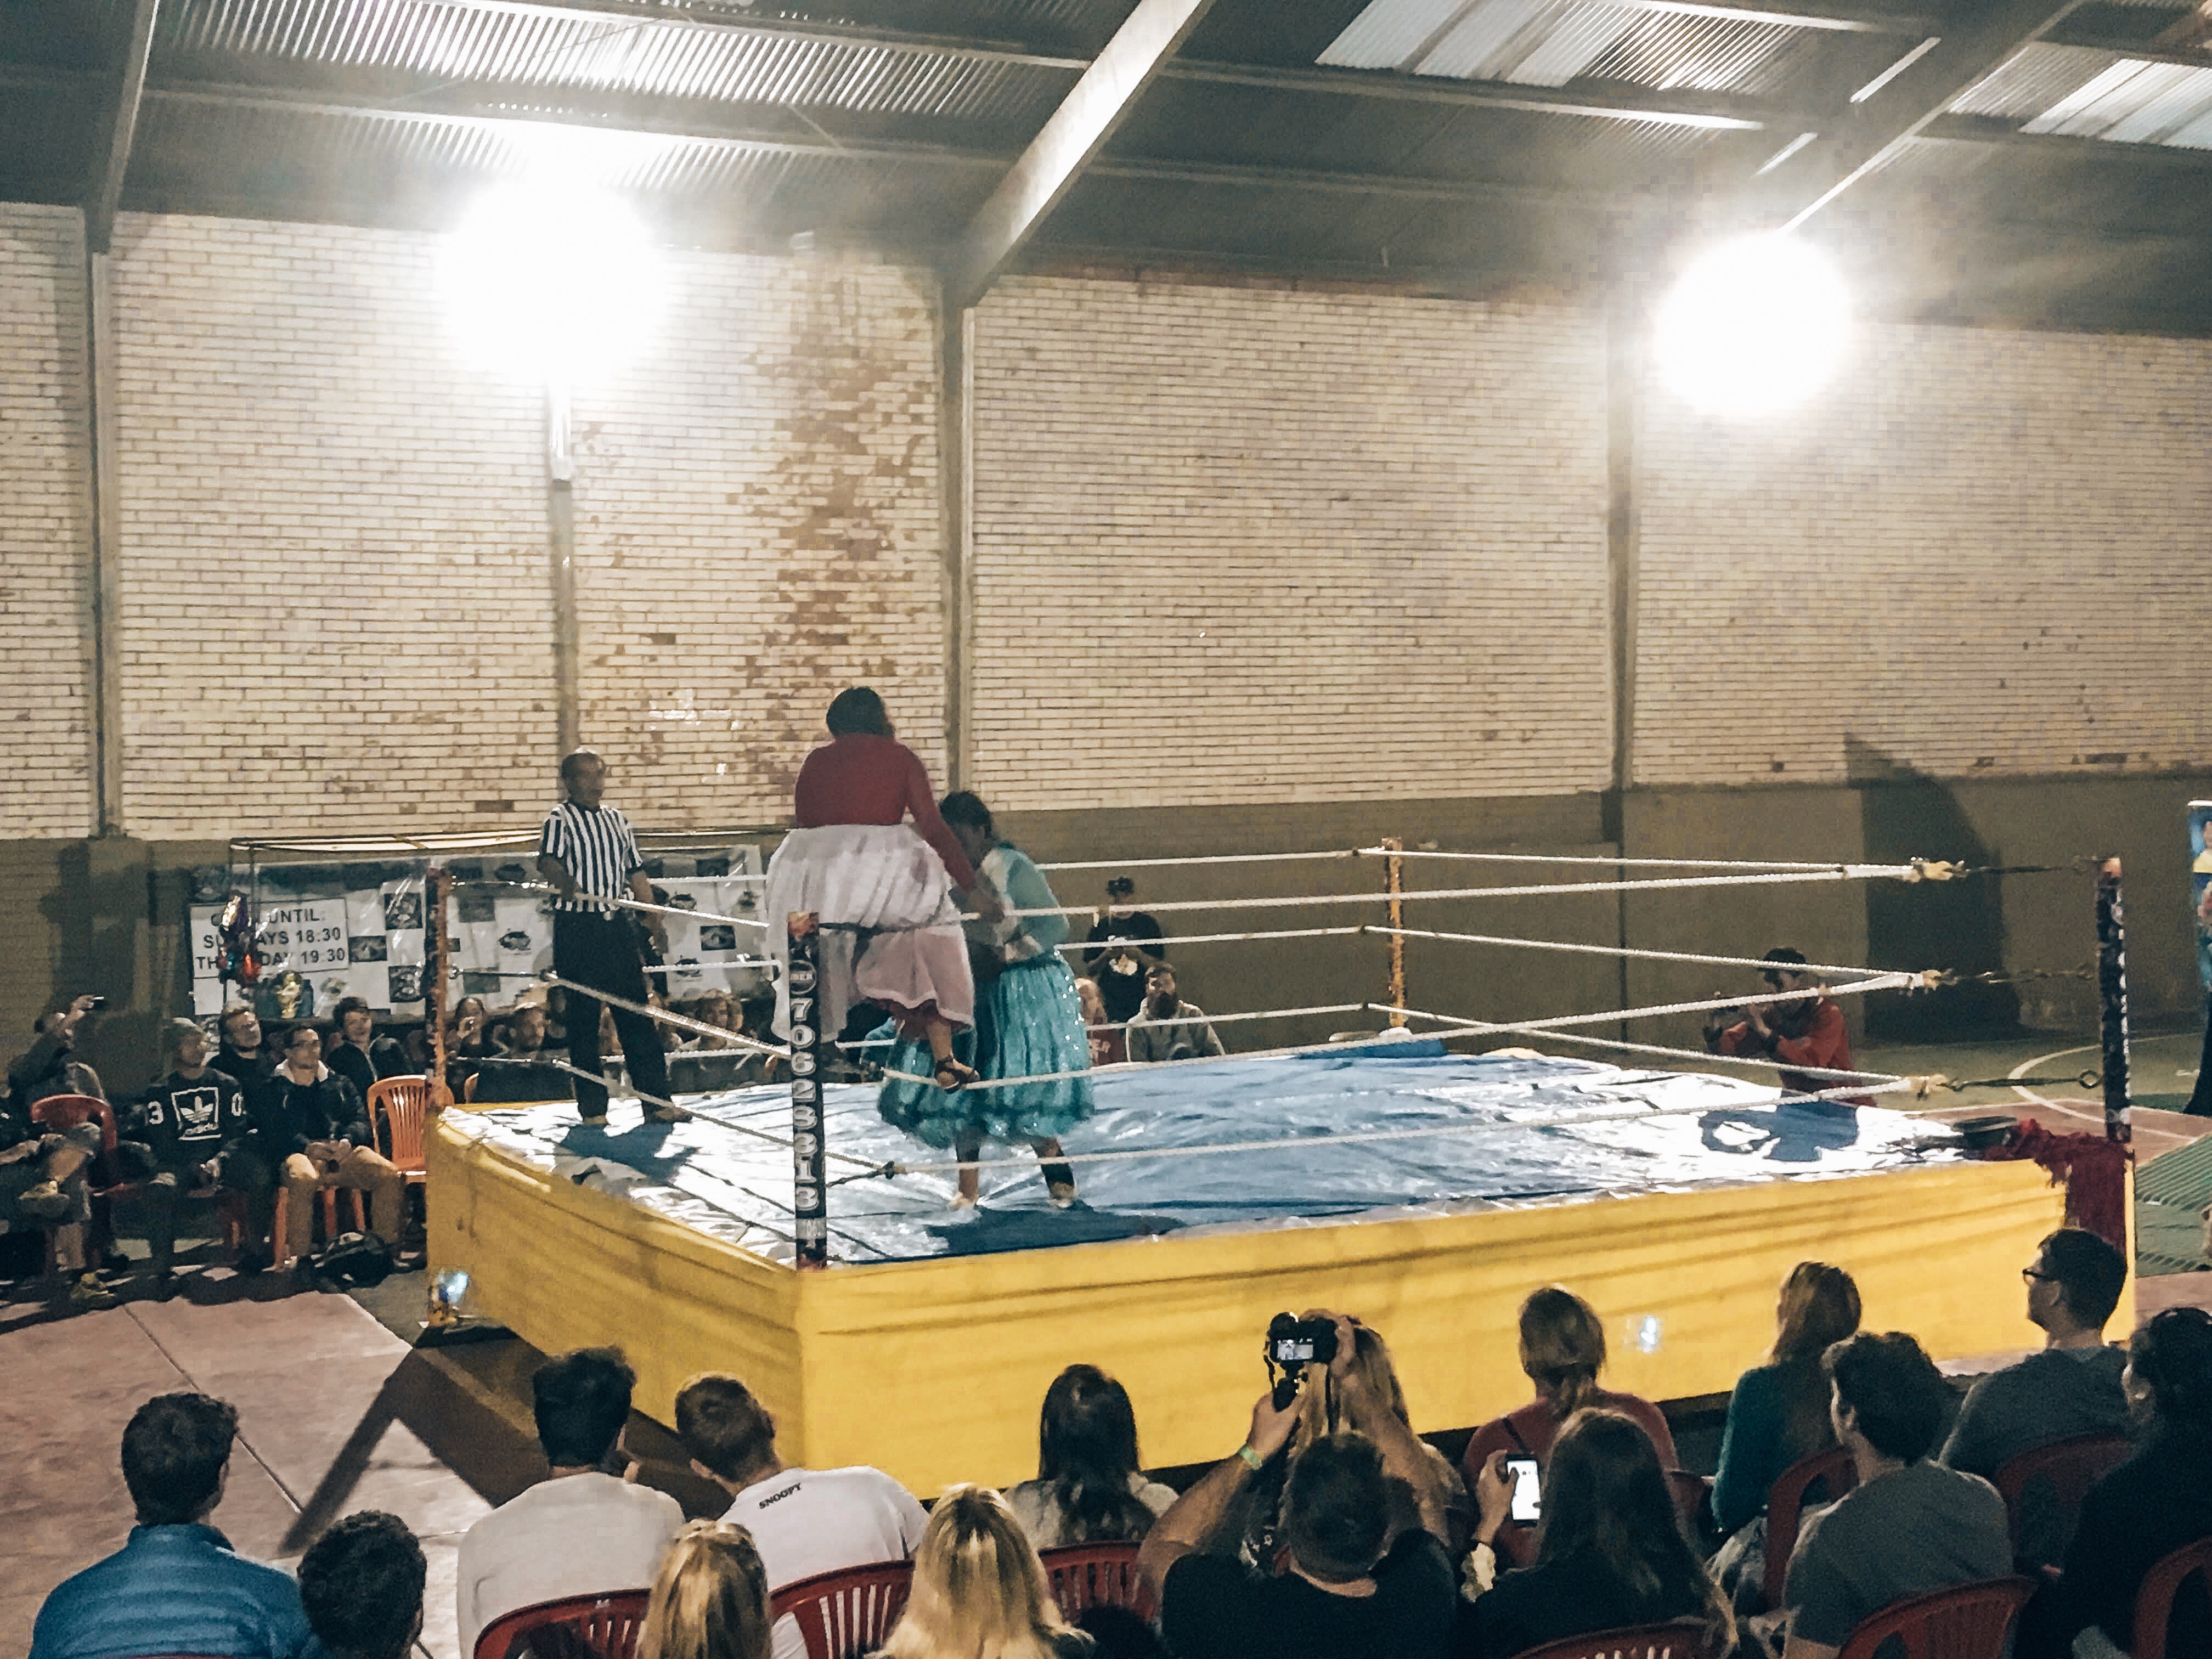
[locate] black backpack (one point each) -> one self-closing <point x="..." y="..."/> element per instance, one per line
<point x="351" y="1260"/>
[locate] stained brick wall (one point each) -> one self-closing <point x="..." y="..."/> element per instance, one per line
<point x="336" y="613"/>
<point x="1976" y="554"/>
<point x="757" y="527"/>
<point x="45" y="527"/>
<point x="1238" y="545"/>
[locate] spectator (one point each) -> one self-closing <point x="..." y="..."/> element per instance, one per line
<point x="317" y="1129"/>
<point x="1910" y="1526"/>
<point x="710" y="1599"/>
<point x="802" y="1521"/>
<point x="1563" y="1351"/>
<point x="42" y="1175"/>
<point x="356" y="1053"/>
<point x="528" y="1071"/>
<point x="1257" y="1513"/>
<point x="199" y="1136"/>
<point x="581" y="1531"/>
<point x="1807" y="1031"/>
<point x="1611" y="1550"/>
<point x="1349" y="1590"/>
<point x="362" y="1584"/>
<point x="979" y="1589"/>
<point x="468" y="1041"/>
<point x="1108" y="1045"/>
<point x="1121" y="972"/>
<point x="2072" y="1387"/>
<point x="1091" y="1485"/>
<point x="2148" y="1507"/>
<point x="1167" y="1028"/>
<point x="241" y="1056"/>
<point x="1777" y="1415"/>
<point x="177" y="1586"/>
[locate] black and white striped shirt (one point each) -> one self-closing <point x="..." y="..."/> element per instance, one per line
<point x="594" y="843"/>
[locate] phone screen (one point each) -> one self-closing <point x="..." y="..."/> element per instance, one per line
<point x="1527" y="1488"/>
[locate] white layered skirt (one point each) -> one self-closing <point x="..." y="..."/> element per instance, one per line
<point x="890" y="927"/>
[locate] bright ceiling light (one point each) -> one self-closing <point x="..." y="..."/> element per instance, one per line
<point x="551" y="284"/>
<point x="1753" y="326"/>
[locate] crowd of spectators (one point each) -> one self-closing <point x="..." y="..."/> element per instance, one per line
<point x="1332" y="1529"/>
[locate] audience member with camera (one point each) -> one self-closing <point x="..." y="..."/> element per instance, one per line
<point x="1610" y="1547"/>
<point x="1352" y="1586"/>
<point x="1090" y="1486"/>
<point x="200" y="1139"/>
<point x="1562" y="1352"/>
<point x="803" y="1521"/>
<point x="43" y="1174"/>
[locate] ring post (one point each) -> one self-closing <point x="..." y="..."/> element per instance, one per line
<point x="1394" y="875"/>
<point x="437" y="963"/>
<point x="2112" y="999"/>
<point x="810" y="1198"/>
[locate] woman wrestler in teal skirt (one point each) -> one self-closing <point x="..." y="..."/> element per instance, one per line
<point x="1029" y="1023"/>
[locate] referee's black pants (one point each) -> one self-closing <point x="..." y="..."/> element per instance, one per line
<point x="601" y="952"/>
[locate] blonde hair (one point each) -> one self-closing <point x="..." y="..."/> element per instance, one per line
<point x="710" y="1599"/>
<point x="979" y="1591"/>
<point x="1818" y="1309"/>
<point x="1317" y="1407"/>
<point x="1562" y="1348"/>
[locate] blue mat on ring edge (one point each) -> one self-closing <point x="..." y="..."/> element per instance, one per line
<point x="710" y="1175"/>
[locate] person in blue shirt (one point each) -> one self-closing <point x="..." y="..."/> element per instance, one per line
<point x="177" y="1586"/>
<point x="1029" y="1022"/>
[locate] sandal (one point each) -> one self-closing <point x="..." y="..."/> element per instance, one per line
<point x="668" y="1114"/>
<point x="961" y="1076"/>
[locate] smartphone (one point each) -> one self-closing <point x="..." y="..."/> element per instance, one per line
<point x="1528" y="1491"/>
<point x="98" y="1003"/>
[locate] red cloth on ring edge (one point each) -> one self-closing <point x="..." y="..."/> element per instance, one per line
<point x="2092" y="1169"/>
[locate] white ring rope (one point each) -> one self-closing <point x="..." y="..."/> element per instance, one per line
<point x="1626" y="951"/>
<point x="1217" y="858"/>
<point x="1833" y="872"/>
<point x="1757" y="1062"/>
<point x="1617" y="863"/>
<point x="728" y="1038"/>
<point x="1125" y="944"/>
<point x="627" y="904"/>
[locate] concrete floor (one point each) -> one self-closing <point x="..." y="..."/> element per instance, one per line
<point x="338" y="1411"/>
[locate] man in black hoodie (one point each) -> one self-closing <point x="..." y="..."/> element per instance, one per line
<point x="195" y="1123"/>
<point x="315" y="1126"/>
<point x="245" y="1058"/>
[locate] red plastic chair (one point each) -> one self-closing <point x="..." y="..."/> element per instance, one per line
<point x="1086" y="1576"/>
<point x="1968" y="1621"/>
<point x="843" y="1615"/>
<point x="589" y="1626"/>
<point x="2065" y="1470"/>
<point x="62" y="1113"/>
<point x="397" y="1108"/>
<point x="2154" y="1600"/>
<point x="1785" y="1508"/>
<point x="1683" y="1639"/>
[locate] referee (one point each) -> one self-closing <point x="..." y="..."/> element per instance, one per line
<point x="588" y="851"/>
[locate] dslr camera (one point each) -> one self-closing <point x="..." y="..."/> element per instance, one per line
<point x="1291" y="1345"/>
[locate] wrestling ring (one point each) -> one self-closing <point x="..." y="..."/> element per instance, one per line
<point x="787" y="1234"/>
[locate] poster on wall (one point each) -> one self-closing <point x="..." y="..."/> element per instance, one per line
<point x="2200" y="885"/>
<point x="331" y="931"/>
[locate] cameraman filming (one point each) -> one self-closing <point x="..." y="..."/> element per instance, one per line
<point x="1348" y="1589"/>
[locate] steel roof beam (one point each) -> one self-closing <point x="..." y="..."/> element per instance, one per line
<point x="107" y="188"/>
<point x="1986" y="36"/>
<point x="1071" y="137"/>
<point x="1996" y="130"/>
<point x="2141" y="50"/>
<point x="1718" y="111"/>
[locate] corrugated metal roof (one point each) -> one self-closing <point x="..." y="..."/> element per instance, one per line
<point x="2085" y="94"/>
<point x="1549" y="43"/>
<point x="671" y="59"/>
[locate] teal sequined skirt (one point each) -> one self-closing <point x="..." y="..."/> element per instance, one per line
<point x="1028" y="1021"/>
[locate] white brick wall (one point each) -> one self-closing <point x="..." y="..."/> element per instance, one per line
<point x="1975" y="553"/>
<point x="758" y="526"/>
<point x="336" y="609"/>
<point x="1242" y="544"/>
<point x="45" y="533"/>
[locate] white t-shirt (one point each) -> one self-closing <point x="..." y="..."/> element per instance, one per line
<point x="581" y="1534"/>
<point x="810" y="1521"/>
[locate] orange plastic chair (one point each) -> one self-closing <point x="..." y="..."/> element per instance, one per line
<point x="2065" y="1470"/>
<point x="599" y="1627"/>
<point x="62" y="1113"/>
<point x="1785" y="1508"/>
<point x="2154" y="1600"/>
<point x="843" y="1615"/>
<point x="1682" y="1639"/>
<point x="397" y="1107"/>
<point x="1086" y="1576"/>
<point x="1968" y="1621"/>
